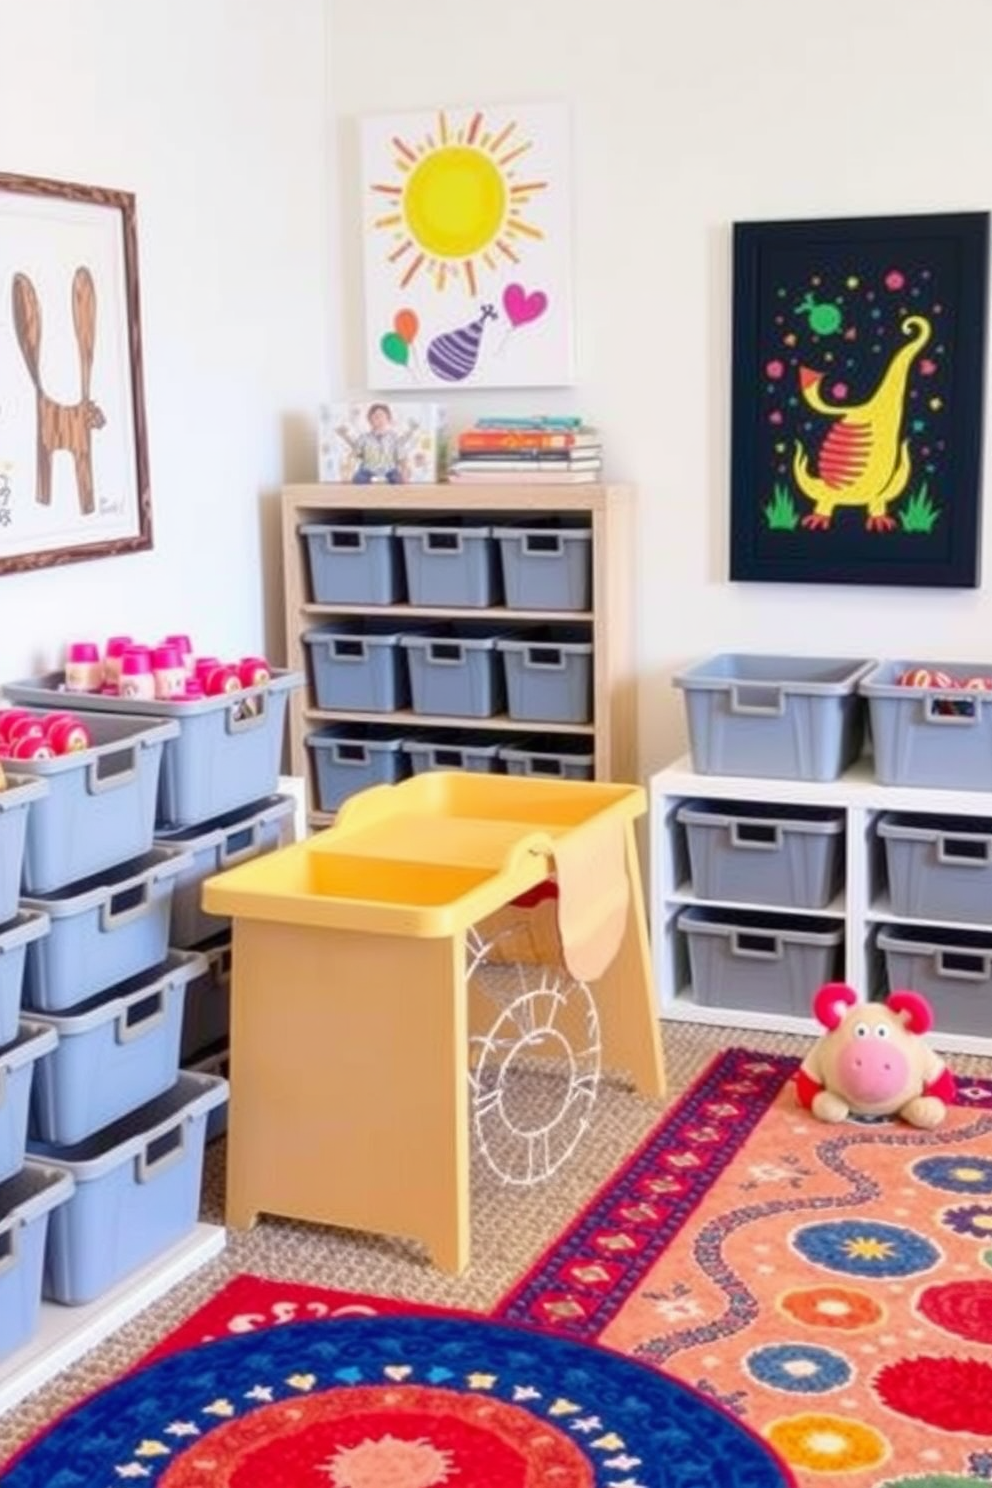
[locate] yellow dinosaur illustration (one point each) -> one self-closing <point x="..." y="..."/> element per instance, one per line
<point x="862" y="461"/>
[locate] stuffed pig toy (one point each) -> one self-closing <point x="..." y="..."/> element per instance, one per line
<point x="873" y="1061"/>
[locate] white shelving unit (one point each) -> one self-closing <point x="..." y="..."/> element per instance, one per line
<point x="862" y="904"/>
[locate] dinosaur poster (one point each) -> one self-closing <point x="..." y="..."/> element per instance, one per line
<point x="859" y="353"/>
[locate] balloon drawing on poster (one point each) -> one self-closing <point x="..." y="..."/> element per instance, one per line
<point x="467" y="248"/>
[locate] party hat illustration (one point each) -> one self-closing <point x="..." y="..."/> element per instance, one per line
<point x="453" y="354"/>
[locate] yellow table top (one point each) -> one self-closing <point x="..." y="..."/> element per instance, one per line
<point x="427" y="857"/>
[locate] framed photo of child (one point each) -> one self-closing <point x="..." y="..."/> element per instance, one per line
<point x="381" y="443"/>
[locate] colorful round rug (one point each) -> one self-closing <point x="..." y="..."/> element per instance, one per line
<point x="398" y="1402"/>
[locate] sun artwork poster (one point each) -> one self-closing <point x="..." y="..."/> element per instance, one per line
<point x="466" y="223"/>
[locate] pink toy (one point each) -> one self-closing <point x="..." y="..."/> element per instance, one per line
<point x="254" y="671"/>
<point x="184" y="646"/>
<point x="220" y="679"/>
<point x="169" y="671"/>
<point x="873" y="1060"/>
<point x="83" y="667"/>
<point x="66" y="733"/>
<point x="112" y="654"/>
<point x="137" y="679"/>
<point x="8" y="718"/>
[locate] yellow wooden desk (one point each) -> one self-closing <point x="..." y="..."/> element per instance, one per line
<point x="349" y="1010"/>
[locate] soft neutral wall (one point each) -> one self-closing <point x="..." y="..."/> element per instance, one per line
<point x="687" y="117"/>
<point x="213" y="113"/>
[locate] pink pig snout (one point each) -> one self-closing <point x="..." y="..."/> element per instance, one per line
<point x="873" y="1070"/>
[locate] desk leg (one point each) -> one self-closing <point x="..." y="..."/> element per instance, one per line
<point x="349" y="1083"/>
<point x="625" y="996"/>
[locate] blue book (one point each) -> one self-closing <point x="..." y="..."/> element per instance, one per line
<point x="539" y="422"/>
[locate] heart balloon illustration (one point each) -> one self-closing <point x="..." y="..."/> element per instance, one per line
<point x="395" y="348"/>
<point x="406" y="325"/>
<point x="521" y="308"/>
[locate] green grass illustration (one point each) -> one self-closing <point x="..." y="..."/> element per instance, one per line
<point x="919" y="514"/>
<point x="780" y="512"/>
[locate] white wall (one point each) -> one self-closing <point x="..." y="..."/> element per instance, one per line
<point x="687" y="117"/>
<point x="213" y="113"/>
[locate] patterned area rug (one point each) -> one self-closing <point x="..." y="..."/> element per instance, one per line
<point x="398" y="1402"/>
<point x="830" y="1286"/>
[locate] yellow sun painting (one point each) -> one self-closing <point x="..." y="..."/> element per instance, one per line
<point x="459" y="203"/>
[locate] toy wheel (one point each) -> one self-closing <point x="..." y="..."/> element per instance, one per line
<point x="535" y="1074"/>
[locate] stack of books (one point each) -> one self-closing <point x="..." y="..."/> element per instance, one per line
<point x="528" y="450"/>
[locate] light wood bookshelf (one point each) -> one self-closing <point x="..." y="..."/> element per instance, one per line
<point x="608" y="509"/>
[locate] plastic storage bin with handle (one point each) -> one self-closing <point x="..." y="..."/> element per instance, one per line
<point x="930" y="736"/>
<point x="549" y="675"/>
<point x="103" y="930"/>
<point x="17" y="1066"/>
<point x="553" y="759"/>
<point x="760" y="962"/>
<point x="137" y="1191"/>
<point x="26" y="926"/>
<point x="358" y="666"/>
<point x="951" y="968"/>
<point x="450" y="565"/>
<point x="207" y="1010"/>
<point x="215" y="845"/>
<point x="353" y="562"/>
<point x="114" y="1053"/>
<point x="350" y="757"/>
<point x="99" y="805"/>
<point x="546" y="567"/>
<point x="455" y="672"/>
<point x="27" y="1201"/>
<point x="785" y="717"/>
<point x="459" y="749"/>
<point x="756" y="853"/>
<point x="15" y="802"/>
<point x="220" y="753"/>
<point x="939" y="868"/>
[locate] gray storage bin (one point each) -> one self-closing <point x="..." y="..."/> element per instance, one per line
<point x="216" y="845"/>
<point x="448" y="564"/>
<point x="455" y="672"/>
<point x="353" y="562"/>
<point x="546" y="567"/>
<point x="137" y="1191"/>
<point x="26" y="1202"/>
<point x="784" y="717"/>
<point x="104" y="929"/>
<point x="753" y="853"/>
<point x="939" y="867"/>
<point x="207" y="1010"/>
<point x="18" y="1062"/>
<point x="556" y="759"/>
<point x="350" y="757"/>
<point x="15" y="802"/>
<point x="549" y="676"/>
<point x="457" y="750"/>
<point x="952" y="969"/>
<point x="926" y="736"/>
<point x="358" y="665"/>
<point x="217" y="1063"/>
<point x="15" y="938"/>
<point x="114" y="1052"/>
<point x="98" y="805"/>
<point x="760" y="962"/>
<point x="220" y="752"/>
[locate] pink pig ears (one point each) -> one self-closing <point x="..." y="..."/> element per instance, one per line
<point x="831" y="1001"/>
<point x="913" y="1008"/>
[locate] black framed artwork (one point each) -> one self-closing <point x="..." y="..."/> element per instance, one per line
<point x="858" y="398"/>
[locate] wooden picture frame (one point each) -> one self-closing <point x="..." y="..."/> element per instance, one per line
<point x="858" y="400"/>
<point x="74" y="479"/>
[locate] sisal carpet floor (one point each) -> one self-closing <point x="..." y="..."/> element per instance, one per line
<point x="510" y="1228"/>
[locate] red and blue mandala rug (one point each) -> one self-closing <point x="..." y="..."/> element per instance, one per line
<point x="398" y="1402"/>
<point x="752" y="1295"/>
